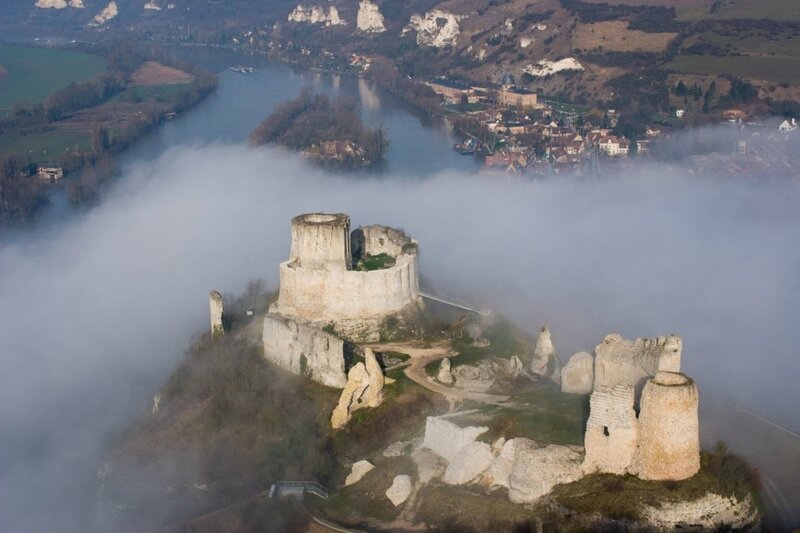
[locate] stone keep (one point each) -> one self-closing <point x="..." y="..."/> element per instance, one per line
<point x="319" y="286"/>
<point x="215" y="306"/>
<point x="669" y="438"/>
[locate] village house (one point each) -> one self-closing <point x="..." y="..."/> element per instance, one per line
<point x="786" y="126"/>
<point x="613" y="146"/>
<point x="453" y="91"/>
<point x="51" y="174"/>
<point x="516" y="97"/>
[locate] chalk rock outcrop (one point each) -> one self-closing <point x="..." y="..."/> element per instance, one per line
<point x="445" y="375"/>
<point x="304" y="350"/>
<point x="545" y="362"/>
<point x="447" y="439"/>
<point x="537" y="470"/>
<point x="108" y="13"/>
<point x="669" y="438"/>
<point x="364" y="388"/>
<point x="400" y="490"/>
<point x="708" y="513"/>
<point x="545" y="67"/>
<point x="470" y="462"/>
<point x="435" y="28"/>
<point x="577" y="376"/>
<point x="359" y="470"/>
<point x="500" y="470"/>
<point x="369" y="18"/>
<point x="487" y="373"/>
<point x="316" y="15"/>
<point x="357" y="383"/>
<point x="374" y="392"/>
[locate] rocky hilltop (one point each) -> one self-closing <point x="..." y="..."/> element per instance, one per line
<point x="397" y="409"/>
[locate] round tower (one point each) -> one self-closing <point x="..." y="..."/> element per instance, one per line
<point x="321" y="241"/>
<point x="669" y="438"/>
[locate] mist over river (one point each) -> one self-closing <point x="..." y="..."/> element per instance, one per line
<point x="96" y="306"/>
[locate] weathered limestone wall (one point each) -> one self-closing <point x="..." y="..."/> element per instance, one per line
<point x="632" y="362"/>
<point x="447" y="439"/>
<point x="331" y="295"/>
<point x="611" y="431"/>
<point x="215" y="308"/>
<point x="710" y="512"/>
<point x="375" y="240"/>
<point x="304" y="350"/>
<point x="669" y="439"/>
<point x="321" y="241"/>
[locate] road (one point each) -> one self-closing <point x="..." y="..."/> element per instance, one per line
<point x="420" y="356"/>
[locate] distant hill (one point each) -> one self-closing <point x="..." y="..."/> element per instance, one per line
<point x="618" y="52"/>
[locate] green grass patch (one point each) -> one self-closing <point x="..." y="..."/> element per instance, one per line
<point x="542" y="413"/>
<point x="775" y="69"/>
<point x="505" y="340"/>
<point x="36" y="73"/>
<point x="44" y="147"/>
<point x="375" y="262"/>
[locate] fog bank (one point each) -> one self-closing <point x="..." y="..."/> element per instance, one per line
<point x="95" y="314"/>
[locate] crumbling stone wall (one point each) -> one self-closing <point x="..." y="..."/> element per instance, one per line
<point x="304" y="350"/>
<point x="376" y="240"/>
<point x="632" y="362"/>
<point x="216" y="309"/>
<point x="611" y="431"/>
<point x="669" y="438"/>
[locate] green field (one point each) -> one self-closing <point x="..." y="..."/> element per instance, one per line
<point x="36" y="73"/>
<point x="43" y="147"/>
<point x="773" y="69"/>
<point x="760" y="9"/>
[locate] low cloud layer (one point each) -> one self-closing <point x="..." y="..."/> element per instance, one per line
<point x="95" y="313"/>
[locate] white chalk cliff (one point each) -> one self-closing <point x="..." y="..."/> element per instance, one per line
<point x="59" y="4"/>
<point x="108" y="13"/>
<point x="316" y="15"/>
<point x="546" y="68"/>
<point x="435" y="28"/>
<point x="369" y="18"/>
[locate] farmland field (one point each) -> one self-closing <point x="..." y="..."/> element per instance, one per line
<point x="34" y="73"/>
<point x="45" y="147"/>
<point x="774" y="69"/>
<point x="614" y="35"/>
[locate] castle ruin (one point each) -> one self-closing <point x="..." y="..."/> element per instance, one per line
<point x="336" y="287"/>
<point x="663" y="441"/>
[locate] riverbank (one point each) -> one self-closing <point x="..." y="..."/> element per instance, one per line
<point x="71" y="132"/>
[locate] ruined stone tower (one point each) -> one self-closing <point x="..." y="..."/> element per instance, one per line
<point x="333" y="290"/>
<point x="321" y="242"/>
<point x="669" y="439"/>
<point x="216" y="308"/>
<point x="319" y="285"/>
<point x="662" y="442"/>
